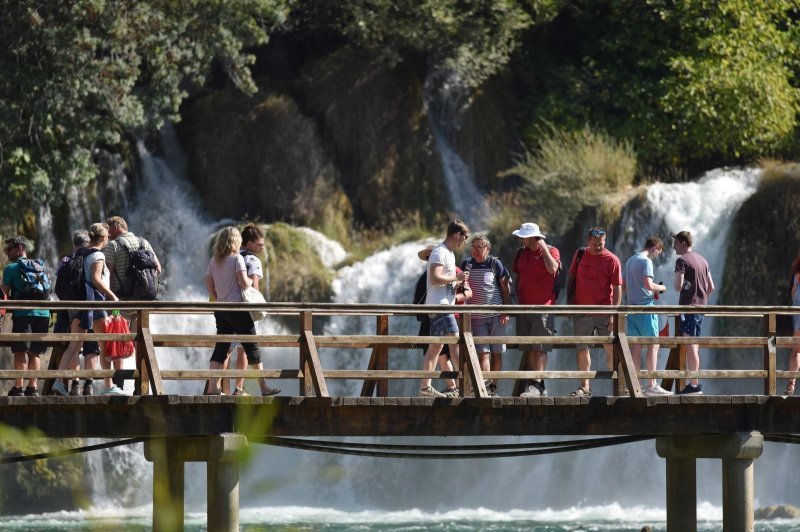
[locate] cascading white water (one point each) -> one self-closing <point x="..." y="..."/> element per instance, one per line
<point x="167" y="212"/>
<point x="445" y="98"/>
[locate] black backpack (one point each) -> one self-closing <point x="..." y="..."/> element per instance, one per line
<point x="70" y="277"/>
<point x="420" y="291"/>
<point x="141" y="277"/>
<point x="35" y="281"/>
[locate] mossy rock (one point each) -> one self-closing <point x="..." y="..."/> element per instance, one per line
<point x="297" y="273"/>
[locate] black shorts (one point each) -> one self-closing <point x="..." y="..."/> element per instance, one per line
<point x="30" y="324"/>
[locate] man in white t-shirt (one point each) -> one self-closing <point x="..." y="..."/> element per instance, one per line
<point x="443" y="281"/>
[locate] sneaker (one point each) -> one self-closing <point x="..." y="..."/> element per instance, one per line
<point x="114" y="390"/>
<point x="30" y="391"/>
<point x="240" y="392"/>
<point x="691" y="389"/>
<point x="650" y="390"/>
<point x="492" y="390"/>
<point x="581" y="392"/>
<point x="430" y="391"/>
<point x="59" y="388"/>
<point x="535" y="390"/>
<point x="75" y="389"/>
<point x="15" y="392"/>
<point x="88" y="388"/>
<point x="452" y="392"/>
<point x="531" y="391"/>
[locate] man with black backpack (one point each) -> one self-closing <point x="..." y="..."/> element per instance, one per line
<point x="26" y="279"/>
<point x="134" y="268"/>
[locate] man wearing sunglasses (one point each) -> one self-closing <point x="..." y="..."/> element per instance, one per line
<point x="598" y="281"/>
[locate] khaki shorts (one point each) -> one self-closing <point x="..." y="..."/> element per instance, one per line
<point x="591" y="325"/>
<point x="535" y="325"/>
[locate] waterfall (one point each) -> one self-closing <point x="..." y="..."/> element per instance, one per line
<point x="167" y="212"/>
<point x="445" y="100"/>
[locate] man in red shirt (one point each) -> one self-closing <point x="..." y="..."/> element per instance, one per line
<point x="598" y="281"/>
<point x="533" y="272"/>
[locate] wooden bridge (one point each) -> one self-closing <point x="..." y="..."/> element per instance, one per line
<point x="215" y="429"/>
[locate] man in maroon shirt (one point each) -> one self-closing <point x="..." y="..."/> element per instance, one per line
<point x="598" y="281"/>
<point x="533" y="272"/>
<point x="693" y="281"/>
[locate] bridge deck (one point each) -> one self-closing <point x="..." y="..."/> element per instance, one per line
<point x="173" y="415"/>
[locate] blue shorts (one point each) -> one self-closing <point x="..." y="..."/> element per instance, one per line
<point x="642" y="325"/>
<point x="444" y="325"/>
<point x="488" y="327"/>
<point x="691" y="324"/>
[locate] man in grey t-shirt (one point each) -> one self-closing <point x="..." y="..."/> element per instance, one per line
<point x="693" y="281"/>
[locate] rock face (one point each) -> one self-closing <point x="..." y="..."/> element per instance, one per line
<point x="337" y="137"/>
<point x="763" y="241"/>
<point x="784" y="511"/>
<point x="261" y="158"/>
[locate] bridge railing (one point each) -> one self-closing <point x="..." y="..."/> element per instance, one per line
<point x="149" y="377"/>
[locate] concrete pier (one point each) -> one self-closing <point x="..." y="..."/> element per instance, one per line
<point x="737" y="452"/>
<point x="221" y="454"/>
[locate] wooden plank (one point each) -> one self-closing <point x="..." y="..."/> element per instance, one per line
<point x="368" y="387"/>
<point x="315" y="366"/>
<point x="306" y="383"/>
<point x="11" y="374"/>
<point x="474" y="367"/>
<point x="626" y="361"/>
<point x="770" y="354"/>
<point x="199" y="374"/>
<point x="141" y="386"/>
<point x="151" y="363"/>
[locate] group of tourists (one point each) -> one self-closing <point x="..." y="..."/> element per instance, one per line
<point x="108" y="263"/>
<point x="595" y="278"/>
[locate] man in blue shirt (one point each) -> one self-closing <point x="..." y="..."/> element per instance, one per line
<point x="638" y="285"/>
<point x="26" y="354"/>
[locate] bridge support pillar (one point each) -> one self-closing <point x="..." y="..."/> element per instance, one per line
<point x="221" y="453"/>
<point x="737" y="452"/>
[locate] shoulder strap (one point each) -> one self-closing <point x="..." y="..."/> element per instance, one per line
<point x="141" y="243"/>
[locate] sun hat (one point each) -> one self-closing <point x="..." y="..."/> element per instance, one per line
<point x="424" y="254"/>
<point x="528" y="230"/>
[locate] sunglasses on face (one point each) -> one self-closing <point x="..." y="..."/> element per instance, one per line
<point x="597" y="232"/>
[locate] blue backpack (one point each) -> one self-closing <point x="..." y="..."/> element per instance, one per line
<point x="35" y="281"/>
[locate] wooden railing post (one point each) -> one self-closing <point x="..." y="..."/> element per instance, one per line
<point x="464" y="326"/>
<point x="473" y="385"/>
<point x="680" y="383"/>
<point x="306" y="385"/>
<point x="141" y="386"/>
<point x="770" y="354"/>
<point x="378" y="360"/>
<point x="617" y="384"/>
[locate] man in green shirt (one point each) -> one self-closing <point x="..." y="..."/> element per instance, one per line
<point x="26" y="354"/>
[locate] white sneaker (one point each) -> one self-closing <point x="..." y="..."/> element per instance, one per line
<point x="651" y="390"/>
<point x="114" y="390"/>
<point x="430" y="391"/>
<point x="531" y="391"/>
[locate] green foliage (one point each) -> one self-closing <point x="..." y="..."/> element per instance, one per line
<point x="78" y="75"/>
<point x="694" y="80"/>
<point x="296" y="271"/>
<point x="570" y="170"/>
<point x="471" y="39"/>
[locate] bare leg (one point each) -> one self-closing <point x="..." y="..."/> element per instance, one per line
<point x="692" y="359"/>
<point x="538" y="362"/>
<point x="20" y="363"/>
<point x="794" y="362"/>
<point x="262" y="382"/>
<point x="446" y="364"/>
<point x="497" y="364"/>
<point x="584" y="364"/>
<point x="213" y="384"/>
<point x="241" y="363"/>
<point x="34" y="364"/>
<point x="652" y="360"/>
<point x="429" y="363"/>
<point x="225" y="383"/>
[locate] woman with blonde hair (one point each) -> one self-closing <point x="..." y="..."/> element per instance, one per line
<point x="98" y="288"/>
<point x="226" y="277"/>
<point x="794" y="358"/>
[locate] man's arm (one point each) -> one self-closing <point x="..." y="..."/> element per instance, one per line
<point x="711" y="286"/>
<point x="652" y="286"/>
<point x="550" y="263"/>
<point x="678" y="281"/>
<point x="438" y="278"/>
<point x="616" y="294"/>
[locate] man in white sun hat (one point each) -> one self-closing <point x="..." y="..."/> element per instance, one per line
<point x="533" y="272"/>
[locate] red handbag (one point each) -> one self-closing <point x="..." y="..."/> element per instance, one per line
<point x="115" y="349"/>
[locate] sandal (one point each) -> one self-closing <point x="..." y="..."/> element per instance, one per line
<point x="271" y="391"/>
<point x="581" y="392"/>
<point x="789" y="389"/>
<point x="240" y="392"/>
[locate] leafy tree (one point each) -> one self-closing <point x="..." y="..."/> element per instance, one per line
<point x="684" y="80"/>
<point x="470" y="39"/>
<point x="78" y="74"/>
